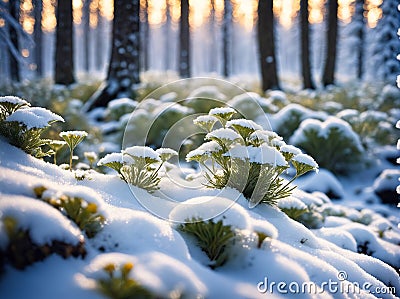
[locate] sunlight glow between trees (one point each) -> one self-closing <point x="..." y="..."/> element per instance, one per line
<point x="244" y="12"/>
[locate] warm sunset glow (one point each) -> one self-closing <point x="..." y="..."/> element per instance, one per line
<point x="316" y="11"/>
<point x="287" y="11"/>
<point x="25" y="53"/>
<point x="49" y="20"/>
<point x="374" y="13"/>
<point x="219" y="10"/>
<point x="107" y="9"/>
<point x="346" y="10"/>
<point x="199" y="12"/>
<point x="244" y="12"/>
<point x="93" y="16"/>
<point x="157" y="11"/>
<point x="77" y="11"/>
<point x="26" y="19"/>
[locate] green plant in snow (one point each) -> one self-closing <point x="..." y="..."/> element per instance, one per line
<point x="72" y="138"/>
<point x="21" y="251"/>
<point x="120" y="285"/>
<point x="139" y="165"/>
<point x="292" y="207"/>
<point x="91" y="157"/>
<point x="83" y="213"/>
<point x="333" y="142"/>
<point x="10" y="104"/>
<point x="55" y="146"/>
<point x="213" y="238"/>
<point x="243" y="156"/>
<point x="23" y="125"/>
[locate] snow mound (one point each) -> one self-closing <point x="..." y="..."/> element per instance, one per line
<point x="44" y="223"/>
<point x="34" y="117"/>
<point x="158" y="272"/>
<point x="326" y="182"/>
<point x="212" y="207"/>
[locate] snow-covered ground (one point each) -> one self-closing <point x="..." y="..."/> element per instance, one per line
<point x="169" y="263"/>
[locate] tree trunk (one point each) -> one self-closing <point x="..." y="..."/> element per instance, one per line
<point x="64" y="60"/>
<point x="124" y="66"/>
<point x="184" y="41"/>
<point x="226" y="36"/>
<point x="167" y="37"/>
<point x="14" y="8"/>
<point x="99" y="41"/>
<point x="37" y="37"/>
<point x="266" y="45"/>
<point x="360" y="19"/>
<point x="212" y="49"/>
<point x="86" y="34"/>
<point x="328" y="77"/>
<point x="305" y="46"/>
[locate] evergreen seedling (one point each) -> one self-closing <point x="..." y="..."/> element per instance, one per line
<point x="213" y="238"/>
<point x="119" y="284"/>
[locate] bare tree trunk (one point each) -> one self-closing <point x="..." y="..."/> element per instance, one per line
<point x="64" y="60"/>
<point x="266" y="44"/>
<point x="124" y="67"/>
<point x="328" y="77"/>
<point x="86" y="34"/>
<point x="184" y="41"/>
<point x="360" y="19"/>
<point x="14" y="8"/>
<point x="227" y="38"/>
<point x="305" y="46"/>
<point x="99" y="41"/>
<point x="212" y="31"/>
<point x="167" y="37"/>
<point x="37" y="37"/>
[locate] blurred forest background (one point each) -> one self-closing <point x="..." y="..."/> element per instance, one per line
<point x="311" y="42"/>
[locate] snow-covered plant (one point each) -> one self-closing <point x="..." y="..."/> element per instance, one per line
<point x="55" y="146"/>
<point x="288" y="119"/>
<point x="23" y="125"/>
<point x="373" y="127"/>
<point x="118" y="284"/>
<point x="84" y="214"/>
<point x="246" y="157"/>
<point x="91" y="157"/>
<point x="292" y="206"/>
<point x="204" y="98"/>
<point x="333" y="143"/>
<point x="212" y="237"/>
<point x="10" y="104"/>
<point x="22" y="250"/>
<point x="119" y="107"/>
<point x="113" y="161"/>
<point x="73" y="138"/>
<point x="139" y="165"/>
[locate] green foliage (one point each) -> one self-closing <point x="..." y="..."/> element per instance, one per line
<point x="118" y="284"/>
<point x="213" y="238"/>
<point x="15" y="114"/>
<point x="293" y="212"/>
<point x="246" y="157"/>
<point x="72" y="138"/>
<point x="21" y="251"/>
<point x="139" y="165"/>
<point x="333" y="143"/>
<point x="83" y="213"/>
